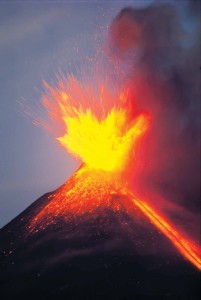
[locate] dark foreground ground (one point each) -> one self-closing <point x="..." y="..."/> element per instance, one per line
<point x="92" y="258"/>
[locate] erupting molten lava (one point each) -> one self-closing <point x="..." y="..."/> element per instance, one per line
<point x="104" y="144"/>
<point x="103" y="135"/>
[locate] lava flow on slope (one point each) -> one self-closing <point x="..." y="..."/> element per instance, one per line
<point x="104" y="136"/>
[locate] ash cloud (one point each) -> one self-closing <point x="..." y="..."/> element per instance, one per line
<point x="162" y="45"/>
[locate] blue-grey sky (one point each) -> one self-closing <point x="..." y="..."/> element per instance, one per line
<point x="37" y="38"/>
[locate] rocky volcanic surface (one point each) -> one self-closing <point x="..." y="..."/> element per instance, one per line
<point x="111" y="256"/>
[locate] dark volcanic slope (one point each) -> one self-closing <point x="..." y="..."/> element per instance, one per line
<point x="108" y="256"/>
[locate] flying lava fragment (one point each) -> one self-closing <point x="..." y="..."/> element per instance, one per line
<point x="100" y="130"/>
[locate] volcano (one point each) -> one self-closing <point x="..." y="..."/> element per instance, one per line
<point x="94" y="238"/>
<point x="87" y="240"/>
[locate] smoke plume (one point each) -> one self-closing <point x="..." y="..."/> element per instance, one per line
<point x="161" y="44"/>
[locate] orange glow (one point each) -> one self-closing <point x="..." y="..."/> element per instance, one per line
<point x="101" y="138"/>
<point x="87" y="192"/>
<point x="102" y="133"/>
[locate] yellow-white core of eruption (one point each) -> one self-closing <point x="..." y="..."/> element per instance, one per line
<point x="103" y="143"/>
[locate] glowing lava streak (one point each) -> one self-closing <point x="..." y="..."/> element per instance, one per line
<point x="103" y="137"/>
<point x="187" y="248"/>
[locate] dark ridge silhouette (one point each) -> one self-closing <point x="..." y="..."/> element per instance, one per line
<point x="94" y="256"/>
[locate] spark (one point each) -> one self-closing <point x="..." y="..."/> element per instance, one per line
<point x="100" y="137"/>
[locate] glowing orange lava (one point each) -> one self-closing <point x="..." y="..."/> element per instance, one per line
<point x="88" y="192"/>
<point x="103" y="136"/>
<point x="186" y="247"/>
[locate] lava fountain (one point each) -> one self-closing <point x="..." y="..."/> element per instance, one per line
<point x="102" y="131"/>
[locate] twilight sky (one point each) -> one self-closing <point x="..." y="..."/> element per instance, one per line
<point x="37" y="39"/>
